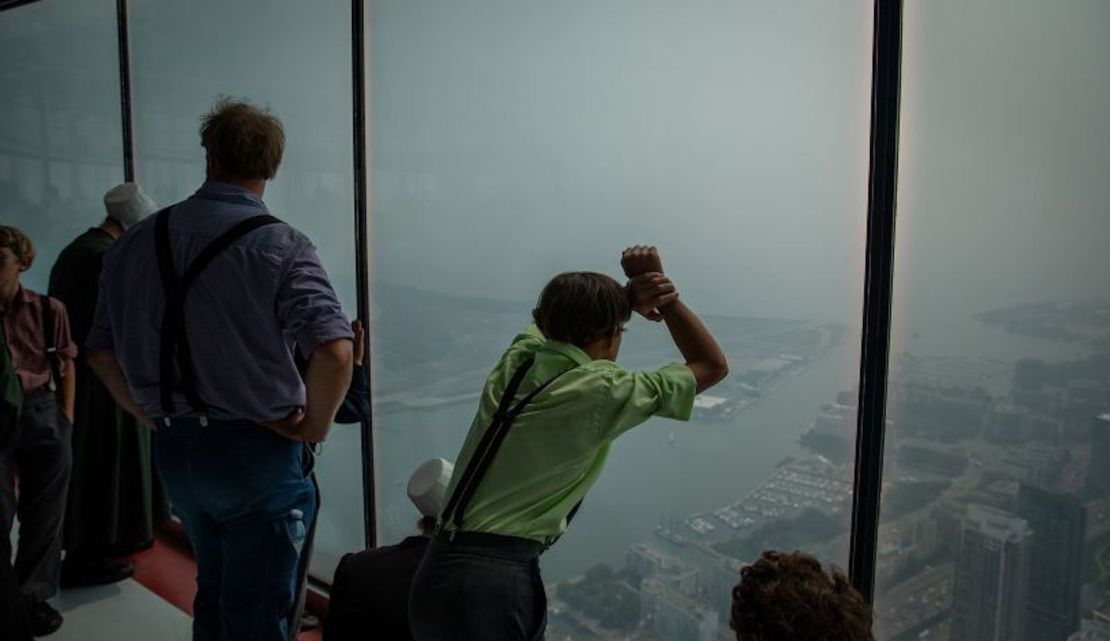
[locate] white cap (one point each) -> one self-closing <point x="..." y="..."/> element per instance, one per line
<point x="428" y="486"/>
<point x="127" y="203"/>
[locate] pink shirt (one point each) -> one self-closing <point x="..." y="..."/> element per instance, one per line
<point x="23" y="329"/>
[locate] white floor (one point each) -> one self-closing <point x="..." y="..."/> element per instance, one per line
<point x="123" y="611"/>
<point x="119" y="612"/>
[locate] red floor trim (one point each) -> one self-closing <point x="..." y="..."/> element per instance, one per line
<point x="167" y="569"/>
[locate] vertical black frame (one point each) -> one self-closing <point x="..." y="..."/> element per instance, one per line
<point x="877" y="294"/>
<point x="362" y="252"/>
<point x="123" y="34"/>
<point x="12" y="4"/>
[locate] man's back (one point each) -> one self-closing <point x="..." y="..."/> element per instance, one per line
<point x="245" y="312"/>
<point x="370" y="593"/>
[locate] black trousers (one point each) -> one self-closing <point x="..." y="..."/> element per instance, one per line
<point x="479" y="587"/>
<point x="41" y="457"/>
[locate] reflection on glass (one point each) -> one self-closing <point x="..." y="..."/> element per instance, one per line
<point x="512" y="141"/>
<point x="294" y="58"/>
<point x="996" y="510"/>
<point x="60" y="144"/>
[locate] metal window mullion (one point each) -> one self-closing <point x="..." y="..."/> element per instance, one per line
<point x="362" y="251"/>
<point x="878" y="292"/>
<point x="124" y="49"/>
<point x="12" y="4"/>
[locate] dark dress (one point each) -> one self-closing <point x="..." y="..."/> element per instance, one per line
<point x="370" y="593"/>
<point x="115" y="499"/>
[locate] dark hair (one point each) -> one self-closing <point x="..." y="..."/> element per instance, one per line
<point x="242" y="140"/>
<point x="581" y="307"/>
<point x="790" y="596"/>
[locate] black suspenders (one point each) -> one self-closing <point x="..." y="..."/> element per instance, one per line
<point x="47" y="320"/>
<point x="487" y="448"/>
<point x="174" y="337"/>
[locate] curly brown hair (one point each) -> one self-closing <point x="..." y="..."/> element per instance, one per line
<point x="790" y="596"/>
<point x="19" y="243"/>
<point x="242" y="140"/>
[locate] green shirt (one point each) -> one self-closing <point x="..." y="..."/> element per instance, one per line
<point x="557" y="447"/>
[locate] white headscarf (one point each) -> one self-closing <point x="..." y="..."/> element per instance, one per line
<point x="127" y="204"/>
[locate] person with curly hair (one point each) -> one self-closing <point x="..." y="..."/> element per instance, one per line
<point x="790" y="596"/>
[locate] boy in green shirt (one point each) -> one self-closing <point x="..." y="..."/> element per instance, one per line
<point x="547" y="416"/>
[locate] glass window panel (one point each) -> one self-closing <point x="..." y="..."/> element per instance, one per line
<point x="295" y="58"/>
<point x="512" y="141"/>
<point x="995" y="501"/>
<point x="60" y="142"/>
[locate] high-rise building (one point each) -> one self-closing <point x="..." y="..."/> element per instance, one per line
<point x="1059" y="524"/>
<point x="650" y="563"/>
<point x="1098" y="479"/>
<point x="992" y="577"/>
<point x="675" y="616"/>
<point x="1092" y="630"/>
<point x="726" y="575"/>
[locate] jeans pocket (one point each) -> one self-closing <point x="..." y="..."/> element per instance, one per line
<point x="295" y="530"/>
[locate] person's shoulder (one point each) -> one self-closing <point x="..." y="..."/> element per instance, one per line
<point x="602" y="371"/>
<point x="35" y="299"/>
<point x="57" y="306"/>
<point x="606" y="374"/>
<point x="366" y="561"/>
<point x="280" y="237"/>
<point x="141" y="231"/>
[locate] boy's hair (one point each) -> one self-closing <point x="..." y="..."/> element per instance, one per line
<point x="243" y="140"/>
<point x="790" y="596"/>
<point x="19" y="243"/>
<point x="581" y="307"/>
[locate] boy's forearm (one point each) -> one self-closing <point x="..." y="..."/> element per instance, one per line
<point x="702" y="353"/>
<point x="67" y="392"/>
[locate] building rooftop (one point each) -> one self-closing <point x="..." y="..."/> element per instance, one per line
<point x="997" y="524"/>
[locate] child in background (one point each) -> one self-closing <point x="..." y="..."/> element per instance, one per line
<point x="37" y="332"/>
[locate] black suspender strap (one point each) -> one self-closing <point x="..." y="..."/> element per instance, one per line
<point x="174" y="344"/>
<point x="483" y="445"/>
<point x="484" y="454"/>
<point x="47" y="319"/>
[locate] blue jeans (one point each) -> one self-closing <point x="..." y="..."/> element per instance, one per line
<point x="244" y="500"/>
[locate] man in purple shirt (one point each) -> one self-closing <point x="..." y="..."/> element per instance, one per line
<point x="202" y="308"/>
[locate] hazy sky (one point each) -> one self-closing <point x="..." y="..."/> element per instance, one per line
<point x="515" y="138"/>
<point x="525" y="138"/>
<point x="1005" y="155"/>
